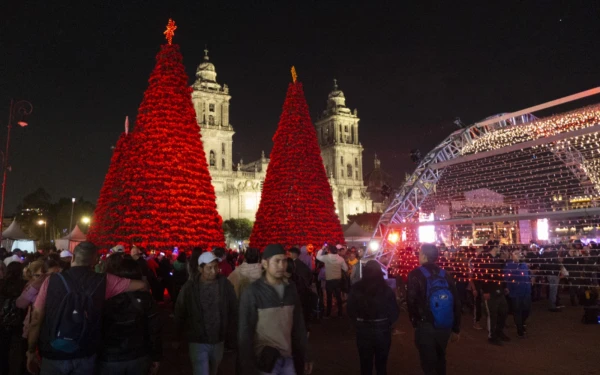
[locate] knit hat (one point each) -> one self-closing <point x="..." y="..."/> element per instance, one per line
<point x="273" y="249"/>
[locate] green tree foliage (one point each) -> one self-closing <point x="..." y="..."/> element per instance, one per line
<point x="38" y="206"/>
<point x="237" y="229"/>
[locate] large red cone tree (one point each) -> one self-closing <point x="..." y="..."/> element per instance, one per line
<point x="158" y="192"/>
<point x="296" y="206"/>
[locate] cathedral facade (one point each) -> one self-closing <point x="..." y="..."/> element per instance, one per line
<point x="238" y="187"/>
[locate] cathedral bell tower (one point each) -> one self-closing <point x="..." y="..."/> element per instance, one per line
<point x="337" y="131"/>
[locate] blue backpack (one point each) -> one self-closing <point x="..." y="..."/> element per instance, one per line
<point x="440" y="299"/>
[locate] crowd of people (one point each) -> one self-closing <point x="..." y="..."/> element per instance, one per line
<point x="83" y="312"/>
<point x="76" y="313"/>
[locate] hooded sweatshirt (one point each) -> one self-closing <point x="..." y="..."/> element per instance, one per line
<point x="334" y="265"/>
<point x="306" y="258"/>
<point x="244" y="275"/>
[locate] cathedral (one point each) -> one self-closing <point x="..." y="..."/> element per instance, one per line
<point x="238" y="187"/>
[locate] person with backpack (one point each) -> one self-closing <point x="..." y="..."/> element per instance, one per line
<point x="372" y="307"/>
<point x="433" y="309"/>
<point x="131" y="342"/>
<point x="11" y="320"/>
<point x="67" y="315"/>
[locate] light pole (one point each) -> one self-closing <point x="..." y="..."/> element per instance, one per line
<point x="44" y="223"/>
<point x="23" y="108"/>
<point x="71" y="222"/>
<point x="72" y="209"/>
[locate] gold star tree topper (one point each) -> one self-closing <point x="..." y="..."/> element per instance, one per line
<point x="170" y="31"/>
<point x="294" y="75"/>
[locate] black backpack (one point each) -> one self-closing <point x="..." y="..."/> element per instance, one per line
<point x="73" y="324"/>
<point x="10" y="315"/>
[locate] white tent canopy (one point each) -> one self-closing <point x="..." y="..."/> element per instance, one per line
<point x="14" y="238"/>
<point x="70" y="241"/>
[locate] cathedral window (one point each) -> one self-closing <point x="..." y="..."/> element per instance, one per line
<point x="211" y="107"/>
<point x="211" y="120"/>
<point x="212" y="159"/>
<point x="357" y="174"/>
<point x="342" y="160"/>
<point x="223" y="147"/>
<point x="349" y="193"/>
<point x="346" y="129"/>
<point x="356" y="162"/>
<point x="223" y="164"/>
<point x="349" y="170"/>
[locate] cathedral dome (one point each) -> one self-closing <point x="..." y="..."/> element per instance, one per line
<point x="336" y="97"/>
<point x="206" y="70"/>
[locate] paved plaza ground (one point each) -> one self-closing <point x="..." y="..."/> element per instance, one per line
<point x="557" y="343"/>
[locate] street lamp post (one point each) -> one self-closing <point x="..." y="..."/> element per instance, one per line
<point x="72" y="209"/>
<point x="71" y="222"/>
<point x="44" y="223"/>
<point x="23" y="108"/>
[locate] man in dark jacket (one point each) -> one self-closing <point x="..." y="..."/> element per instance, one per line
<point x="494" y="296"/>
<point x="206" y="310"/>
<point x="430" y="341"/>
<point x="272" y="336"/>
<point x="131" y="342"/>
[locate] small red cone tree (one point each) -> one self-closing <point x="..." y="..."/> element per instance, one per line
<point x="165" y="196"/>
<point x="111" y="206"/>
<point x="296" y="206"/>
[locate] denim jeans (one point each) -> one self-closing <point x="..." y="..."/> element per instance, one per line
<point x="283" y="366"/>
<point x="553" y="290"/>
<point x="79" y="366"/>
<point x="138" y="366"/>
<point x="206" y="357"/>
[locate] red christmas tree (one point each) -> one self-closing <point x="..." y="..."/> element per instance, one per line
<point x="110" y="207"/>
<point x="296" y="206"/>
<point x="164" y="196"/>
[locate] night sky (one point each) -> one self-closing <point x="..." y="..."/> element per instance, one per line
<point x="409" y="69"/>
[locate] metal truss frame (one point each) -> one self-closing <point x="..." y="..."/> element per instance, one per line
<point x="407" y="202"/>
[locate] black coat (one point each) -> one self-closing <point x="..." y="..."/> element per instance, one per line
<point x="130" y="328"/>
<point x="371" y="301"/>
<point x="189" y="317"/>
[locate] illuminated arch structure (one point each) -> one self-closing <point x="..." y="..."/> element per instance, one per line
<point x="505" y="172"/>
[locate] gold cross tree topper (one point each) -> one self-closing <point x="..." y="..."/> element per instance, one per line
<point x="170" y="31"/>
<point x="294" y="75"/>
